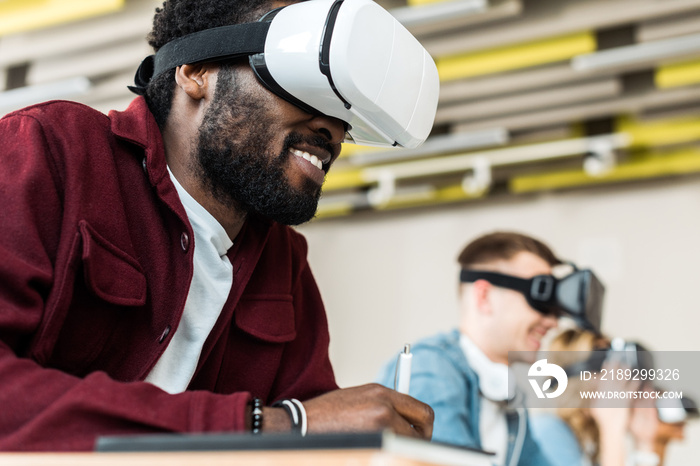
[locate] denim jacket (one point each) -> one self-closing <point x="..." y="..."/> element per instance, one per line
<point x="558" y="440"/>
<point x="442" y="378"/>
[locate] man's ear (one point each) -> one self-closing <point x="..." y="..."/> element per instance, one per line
<point x="481" y="290"/>
<point x="194" y="80"/>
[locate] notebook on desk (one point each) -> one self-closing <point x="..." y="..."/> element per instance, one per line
<point x="408" y="447"/>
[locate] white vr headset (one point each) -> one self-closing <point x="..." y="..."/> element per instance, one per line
<point x="349" y="59"/>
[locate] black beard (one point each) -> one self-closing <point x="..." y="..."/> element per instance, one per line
<point x="236" y="163"/>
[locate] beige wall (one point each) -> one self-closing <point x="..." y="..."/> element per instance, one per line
<point x="390" y="278"/>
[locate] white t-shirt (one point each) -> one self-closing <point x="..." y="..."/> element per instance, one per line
<point x="209" y="289"/>
<point x="493" y="385"/>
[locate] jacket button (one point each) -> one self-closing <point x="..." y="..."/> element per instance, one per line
<point x="164" y="335"/>
<point x="185" y="241"/>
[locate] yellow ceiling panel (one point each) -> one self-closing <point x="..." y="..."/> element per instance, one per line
<point x="658" y="133"/>
<point x="350" y="149"/>
<point x="653" y="165"/>
<point x="25" y="15"/>
<point x="443" y="195"/>
<point x="679" y="74"/>
<point x="334" y="210"/>
<point x="514" y="57"/>
<point x="342" y="179"/>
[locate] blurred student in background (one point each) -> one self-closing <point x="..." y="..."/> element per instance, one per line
<point x="588" y="432"/>
<point x="463" y="374"/>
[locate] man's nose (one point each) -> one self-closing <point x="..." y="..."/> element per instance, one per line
<point x="331" y="128"/>
<point x="550" y="320"/>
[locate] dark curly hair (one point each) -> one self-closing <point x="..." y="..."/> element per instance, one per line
<point x="178" y="18"/>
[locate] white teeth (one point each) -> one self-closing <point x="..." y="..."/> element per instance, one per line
<point x="311" y="158"/>
<point x="315" y="161"/>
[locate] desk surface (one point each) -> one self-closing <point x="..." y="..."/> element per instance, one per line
<point x="240" y="458"/>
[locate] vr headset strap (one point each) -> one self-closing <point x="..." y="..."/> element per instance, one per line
<point x="539" y="290"/>
<point x="225" y="42"/>
<point x="504" y="281"/>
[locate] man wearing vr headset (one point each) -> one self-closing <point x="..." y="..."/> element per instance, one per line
<point x="149" y="282"/>
<point x="463" y="374"/>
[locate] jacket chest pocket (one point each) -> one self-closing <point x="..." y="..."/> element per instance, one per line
<point x="269" y="318"/>
<point x="264" y="324"/>
<point x="109" y="290"/>
<point x="111" y="274"/>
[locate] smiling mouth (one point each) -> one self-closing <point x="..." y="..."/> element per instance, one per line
<point x="306" y="156"/>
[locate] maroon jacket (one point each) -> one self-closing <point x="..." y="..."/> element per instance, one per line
<point x="95" y="264"/>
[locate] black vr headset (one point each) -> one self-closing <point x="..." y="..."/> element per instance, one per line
<point x="579" y="295"/>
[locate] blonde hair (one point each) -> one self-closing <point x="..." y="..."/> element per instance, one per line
<point x="569" y="347"/>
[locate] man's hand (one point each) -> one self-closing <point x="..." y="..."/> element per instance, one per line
<point x="368" y="408"/>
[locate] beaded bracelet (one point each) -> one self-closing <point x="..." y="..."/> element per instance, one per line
<point x="256" y="415"/>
